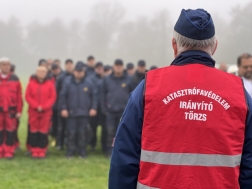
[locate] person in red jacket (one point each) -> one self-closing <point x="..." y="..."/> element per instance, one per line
<point x="49" y="76"/>
<point x="40" y="95"/>
<point x="10" y="108"/>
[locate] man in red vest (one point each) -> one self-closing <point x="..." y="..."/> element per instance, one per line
<point x="187" y="125"/>
<point x="10" y="108"/>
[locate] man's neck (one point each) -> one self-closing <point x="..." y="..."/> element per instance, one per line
<point x="91" y="66"/>
<point x="118" y="74"/>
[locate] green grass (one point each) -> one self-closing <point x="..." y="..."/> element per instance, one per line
<point x="54" y="172"/>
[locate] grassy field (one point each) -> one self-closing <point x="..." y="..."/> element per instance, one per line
<point x="54" y="172"/>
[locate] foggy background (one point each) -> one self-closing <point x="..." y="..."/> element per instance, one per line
<point x="126" y="29"/>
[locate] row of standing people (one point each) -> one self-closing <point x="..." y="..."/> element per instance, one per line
<point x="68" y="101"/>
<point x="97" y="95"/>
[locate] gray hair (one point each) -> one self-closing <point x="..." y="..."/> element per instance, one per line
<point x="4" y="59"/>
<point x="185" y="44"/>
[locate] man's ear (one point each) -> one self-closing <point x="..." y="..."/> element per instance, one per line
<point x="215" y="47"/>
<point x="175" y="47"/>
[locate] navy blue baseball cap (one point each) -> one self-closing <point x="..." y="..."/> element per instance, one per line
<point x="99" y="64"/>
<point x="141" y="63"/>
<point x="130" y="66"/>
<point x="118" y="62"/>
<point x="41" y="61"/>
<point x="195" y="24"/>
<point x="153" y="67"/>
<point x="80" y="66"/>
<point x="54" y="66"/>
<point x="107" y="67"/>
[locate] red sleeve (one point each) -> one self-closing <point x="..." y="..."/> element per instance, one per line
<point x="53" y="95"/>
<point x="19" y="98"/>
<point x="32" y="102"/>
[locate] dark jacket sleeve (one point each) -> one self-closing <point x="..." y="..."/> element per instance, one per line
<point x="245" y="178"/>
<point x="103" y="90"/>
<point x="63" y="95"/>
<point x="124" y="167"/>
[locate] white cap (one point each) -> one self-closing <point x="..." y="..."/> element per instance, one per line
<point x="4" y="59"/>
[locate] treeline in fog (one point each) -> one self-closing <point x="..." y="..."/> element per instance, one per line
<point x="107" y="36"/>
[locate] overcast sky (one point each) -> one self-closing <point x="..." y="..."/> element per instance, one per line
<point x="46" y="10"/>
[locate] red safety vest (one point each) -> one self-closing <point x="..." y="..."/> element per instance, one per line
<point x="194" y="129"/>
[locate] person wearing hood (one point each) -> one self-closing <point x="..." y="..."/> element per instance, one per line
<point x="140" y="73"/>
<point x="114" y="95"/>
<point x="41" y="96"/>
<point x="78" y="101"/>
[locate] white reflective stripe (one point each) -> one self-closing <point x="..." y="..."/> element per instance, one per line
<point x="207" y="160"/>
<point x="141" y="186"/>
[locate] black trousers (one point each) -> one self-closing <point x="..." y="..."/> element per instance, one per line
<point x="77" y="135"/>
<point x="55" y="120"/>
<point x="62" y="122"/>
<point x="112" y="122"/>
<point x="99" y="119"/>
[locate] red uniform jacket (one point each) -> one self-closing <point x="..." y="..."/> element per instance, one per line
<point x="10" y="94"/>
<point x="40" y="94"/>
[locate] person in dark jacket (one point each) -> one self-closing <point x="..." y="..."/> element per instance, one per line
<point x="130" y="69"/>
<point x="11" y="104"/>
<point x="57" y="72"/>
<point x="99" y="119"/>
<point x="140" y="73"/>
<point x="78" y="102"/>
<point x="90" y="68"/>
<point x="115" y="94"/>
<point x="69" y="67"/>
<point x="40" y="95"/>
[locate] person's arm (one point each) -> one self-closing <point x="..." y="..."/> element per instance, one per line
<point x="124" y="167"/>
<point x="94" y="97"/>
<point x="53" y="95"/>
<point x="32" y="102"/>
<point x="245" y="178"/>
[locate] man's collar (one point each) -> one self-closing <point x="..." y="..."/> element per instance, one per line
<point x="194" y="57"/>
